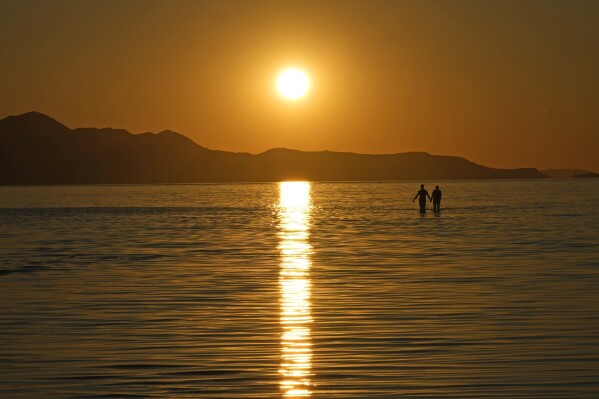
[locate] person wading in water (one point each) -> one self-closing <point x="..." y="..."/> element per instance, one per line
<point x="436" y="199"/>
<point x="423" y="194"/>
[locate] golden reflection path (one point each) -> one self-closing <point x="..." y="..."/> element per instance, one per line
<point x="295" y="285"/>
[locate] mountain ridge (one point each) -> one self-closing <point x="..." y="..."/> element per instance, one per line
<point x="37" y="149"/>
<point x="564" y="173"/>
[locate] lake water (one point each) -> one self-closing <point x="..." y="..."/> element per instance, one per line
<point x="323" y="290"/>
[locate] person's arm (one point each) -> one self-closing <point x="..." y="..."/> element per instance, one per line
<point x="429" y="197"/>
<point x="417" y="194"/>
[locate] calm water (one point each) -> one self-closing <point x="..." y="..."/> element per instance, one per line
<point x="328" y="290"/>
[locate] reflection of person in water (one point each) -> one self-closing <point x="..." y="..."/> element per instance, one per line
<point x="423" y="194"/>
<point x="436" y="199"/>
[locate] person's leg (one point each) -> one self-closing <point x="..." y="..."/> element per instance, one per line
<point x="422" y="207"/>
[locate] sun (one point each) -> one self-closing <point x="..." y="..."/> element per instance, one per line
<point x="293" y="83"/>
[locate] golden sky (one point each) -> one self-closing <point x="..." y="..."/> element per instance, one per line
<point x="502" y="83"/>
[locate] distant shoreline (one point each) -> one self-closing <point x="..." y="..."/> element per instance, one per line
<point x="424" y="181"/>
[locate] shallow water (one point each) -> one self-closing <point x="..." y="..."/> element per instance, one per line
<point x="328" y="290"/>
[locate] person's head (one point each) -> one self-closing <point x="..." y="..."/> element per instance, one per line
<point x="437" y="187"/>
<point x="422" y="186"/>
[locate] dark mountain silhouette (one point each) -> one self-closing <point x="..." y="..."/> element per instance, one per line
<point x="36" y="149"/>
<point x="588" y="175"/>
<point x="563" y="173"/>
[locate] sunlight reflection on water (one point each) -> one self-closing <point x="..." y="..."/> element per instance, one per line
<point x="294" y="279"/>
<point x="332" y="290"/>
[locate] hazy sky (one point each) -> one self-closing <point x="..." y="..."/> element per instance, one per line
<point x="502" y="83"/>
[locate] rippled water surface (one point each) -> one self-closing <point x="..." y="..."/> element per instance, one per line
<point x="324" y="290"/>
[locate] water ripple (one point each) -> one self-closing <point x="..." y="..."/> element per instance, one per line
<point x="175" y="291"/>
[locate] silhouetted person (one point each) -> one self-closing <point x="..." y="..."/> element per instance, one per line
<point x="423" y="194"/>
<point x="436" y="198"/>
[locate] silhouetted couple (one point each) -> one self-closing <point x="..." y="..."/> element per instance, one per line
<point x="423" y="194"/>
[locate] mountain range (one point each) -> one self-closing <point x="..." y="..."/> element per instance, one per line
<point x="567" y="173"/>
<point x="37" y="149"/>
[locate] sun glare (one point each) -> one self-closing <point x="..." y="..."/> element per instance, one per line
<point x="293" y="83"/>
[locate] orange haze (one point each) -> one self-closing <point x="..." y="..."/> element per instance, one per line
<point x="503" y="83"/>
